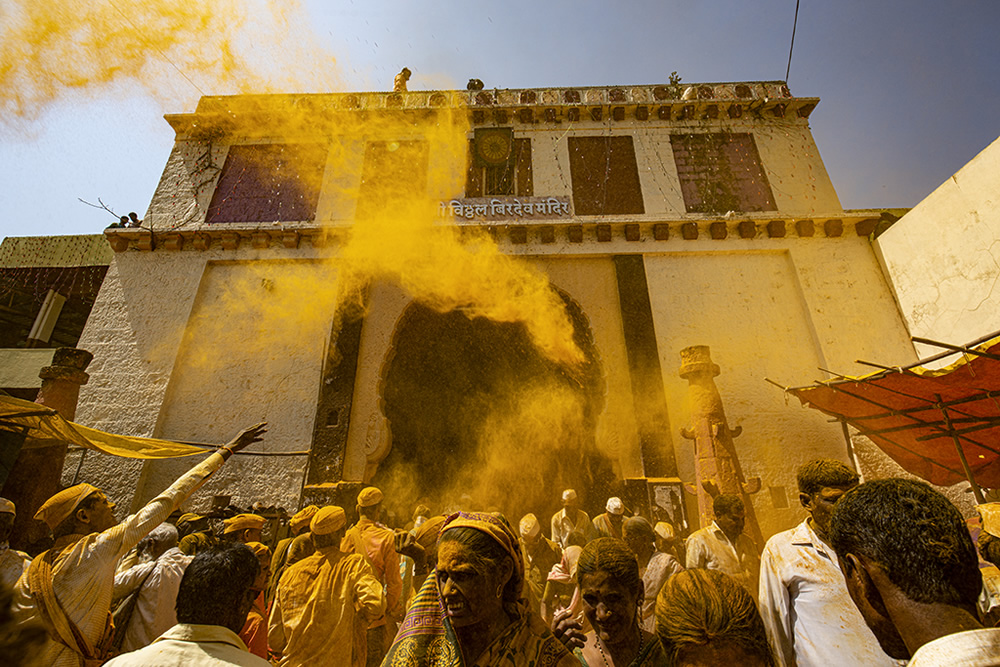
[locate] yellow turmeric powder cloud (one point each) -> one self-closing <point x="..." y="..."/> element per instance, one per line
<point x="168" y="49"/>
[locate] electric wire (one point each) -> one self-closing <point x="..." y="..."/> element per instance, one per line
<point x="794" y="24"/>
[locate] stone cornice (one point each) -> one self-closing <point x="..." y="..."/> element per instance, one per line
<point x="218" y="116"/>
<point x="583" y="229"/>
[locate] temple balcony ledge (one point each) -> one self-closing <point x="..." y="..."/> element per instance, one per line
<point x="600" y="229"/>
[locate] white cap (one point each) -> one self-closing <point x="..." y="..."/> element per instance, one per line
<point x="664" y="530"/>
<point x="568" y="495"/>
<point x="529" y="526"/>
<point x="615" y="506"/>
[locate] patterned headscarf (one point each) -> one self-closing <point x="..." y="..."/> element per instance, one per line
<point x="496" y="526"/>
<point x="425" y="637"/>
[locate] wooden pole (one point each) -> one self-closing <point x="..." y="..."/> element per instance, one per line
<point x="976" y="491"/>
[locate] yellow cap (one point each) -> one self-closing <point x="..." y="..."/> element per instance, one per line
<point x="302" y="518"/>
<point x="427" y="534"/>
<point x="7" y="506"/>
<point x="243" y="522"/>
<point x="369" y="496"/>
<point x="328" y="520"/>
<point x="259" y="549"/>
<point x="61" y="506"/>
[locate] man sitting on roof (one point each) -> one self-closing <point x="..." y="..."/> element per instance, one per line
<point x="68" y="588"/>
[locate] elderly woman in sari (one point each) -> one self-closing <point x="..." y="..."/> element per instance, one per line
<point x="612" y="592"/>
<point x="470" y="612"/>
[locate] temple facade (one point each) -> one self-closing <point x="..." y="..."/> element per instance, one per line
<point x="664" y="216"/>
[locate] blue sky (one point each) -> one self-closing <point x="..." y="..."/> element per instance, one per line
<point x="908" y="87"/>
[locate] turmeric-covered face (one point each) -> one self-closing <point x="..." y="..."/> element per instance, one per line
<point x="468" y="595"/>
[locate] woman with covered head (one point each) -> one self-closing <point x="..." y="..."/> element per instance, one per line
<point x="705" y="617"/>
<point x="608" y="576"/>
<point x="470" y="612"/>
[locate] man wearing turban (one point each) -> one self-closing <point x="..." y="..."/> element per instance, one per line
<point x="377" y="545"/>
<point x="299" y="525"/>
<point x="324" y="604"/>
<point x="68" y="588"/>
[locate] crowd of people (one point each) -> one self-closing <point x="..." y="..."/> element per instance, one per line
<point x="878" y="573"/>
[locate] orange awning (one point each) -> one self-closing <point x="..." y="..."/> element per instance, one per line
<point x="927" y="420"/>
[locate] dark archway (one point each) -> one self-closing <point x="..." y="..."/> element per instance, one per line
<point x="474" y="409"/>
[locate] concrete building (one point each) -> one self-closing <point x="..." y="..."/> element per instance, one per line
<point x="664" y="216"/>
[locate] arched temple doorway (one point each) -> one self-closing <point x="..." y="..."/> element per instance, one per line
<point x="474" y="409"/>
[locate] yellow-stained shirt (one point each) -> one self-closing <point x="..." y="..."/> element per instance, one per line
<point x="84" y="574"/>
<point x="322" y="609"/>
<point x="379" y="545"/>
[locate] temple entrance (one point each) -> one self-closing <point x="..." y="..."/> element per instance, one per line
<point x="479" y="419"/>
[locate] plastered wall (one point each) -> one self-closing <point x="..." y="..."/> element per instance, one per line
<point x="943" y="256"/>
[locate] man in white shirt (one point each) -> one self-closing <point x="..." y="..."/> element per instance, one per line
<point x="570" y="519"/>
<point x="912" y="571"/>
<point x="802" y="588"/>
<point x="723" y="546"/>
<point x="213" y="600"/>
<point x="155" y="583"/>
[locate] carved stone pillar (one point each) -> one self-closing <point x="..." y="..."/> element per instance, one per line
<point x="36" y="474"/>
<point x="717" y="466"/>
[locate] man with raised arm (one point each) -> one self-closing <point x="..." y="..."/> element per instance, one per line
<point x="68" y="588"/>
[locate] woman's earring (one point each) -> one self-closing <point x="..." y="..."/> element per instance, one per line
<point x="499" y="591"/>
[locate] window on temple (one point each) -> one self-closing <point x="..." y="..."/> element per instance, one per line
<point x="269" y="183"/>
<point x="394" y="173"/>
<point x="605" y="176"/>
<point x="506" y="176"/>
<point x="721" y="172"/>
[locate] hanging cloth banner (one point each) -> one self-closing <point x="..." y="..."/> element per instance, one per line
<point x="43" y="427"/>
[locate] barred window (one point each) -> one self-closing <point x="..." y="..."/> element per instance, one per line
<point x="269" y="183"/>
<point x="721" y="172"/>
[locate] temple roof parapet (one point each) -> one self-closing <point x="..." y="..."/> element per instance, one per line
<point x="665" y="102"/>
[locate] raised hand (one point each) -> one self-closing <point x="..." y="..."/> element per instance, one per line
<point x="246" y="437"/>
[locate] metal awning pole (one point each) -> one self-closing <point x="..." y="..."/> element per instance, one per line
<point x="976" y="491"/>
<point x="851" y="456"/>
